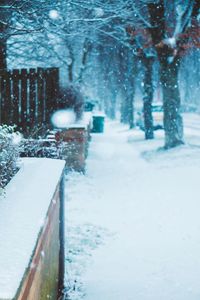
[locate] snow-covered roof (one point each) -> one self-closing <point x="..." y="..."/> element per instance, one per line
<point x="22" y="213"/>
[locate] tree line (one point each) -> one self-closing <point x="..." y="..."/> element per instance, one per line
<point x="108" y="48"/>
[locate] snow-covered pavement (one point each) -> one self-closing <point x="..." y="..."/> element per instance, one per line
<point x="133" y="221"/>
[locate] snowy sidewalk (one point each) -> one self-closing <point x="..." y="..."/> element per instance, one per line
<point x="133" y="222"/>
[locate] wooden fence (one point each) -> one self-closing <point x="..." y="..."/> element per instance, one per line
<point x="28" y="97"/>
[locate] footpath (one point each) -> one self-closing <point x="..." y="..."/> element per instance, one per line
<point x="133" y="221"/>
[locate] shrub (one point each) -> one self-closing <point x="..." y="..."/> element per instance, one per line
<point x="38" y="148"/>
<point x="9" y="153"/>
<point x="70" y="97"/>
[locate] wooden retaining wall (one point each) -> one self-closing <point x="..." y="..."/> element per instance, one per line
<point x="43" y="274"/>
<point x="74" y="147"/>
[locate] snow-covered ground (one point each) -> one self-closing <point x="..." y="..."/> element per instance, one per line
<point x="133" y="221"/>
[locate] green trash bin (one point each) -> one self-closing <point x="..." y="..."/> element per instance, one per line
<point x="98" y="123"/>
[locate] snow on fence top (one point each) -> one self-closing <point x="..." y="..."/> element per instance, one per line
<point x="22" y="214"/>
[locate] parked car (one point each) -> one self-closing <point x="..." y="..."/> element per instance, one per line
<point x="157" y="113"/>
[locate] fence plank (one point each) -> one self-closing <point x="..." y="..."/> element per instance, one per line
<point x="55" y="83"/>
<point x="24" y="100"/>
<point x="48" y="95"/>
<point x="52" y="86"/>
<point x="8" y="101"/>
<point x="16" y="103"/>
<point x="32" y="98"/>
<point x="41" y="96"/>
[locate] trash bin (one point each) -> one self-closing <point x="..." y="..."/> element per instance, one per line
<point x="98" y="123"/>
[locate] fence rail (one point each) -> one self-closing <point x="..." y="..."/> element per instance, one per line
<point x="28" y="97"/>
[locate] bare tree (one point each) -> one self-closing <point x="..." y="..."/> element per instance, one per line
<point x="169" y="42"/>
<point x="65" y="33"/>
<point x="142" y="45"/>
<point x="4" y="22"/>
<point x="20" y="18"/>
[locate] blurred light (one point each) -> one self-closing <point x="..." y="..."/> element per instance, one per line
<point x="62" y="118"/>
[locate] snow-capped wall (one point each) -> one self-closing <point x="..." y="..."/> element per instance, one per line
<point x="29" y="220"/>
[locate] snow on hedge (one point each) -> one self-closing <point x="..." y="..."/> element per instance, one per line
<point x="9" y="153"/>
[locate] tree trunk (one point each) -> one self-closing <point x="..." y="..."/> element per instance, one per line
<point x="128" y="90"/>
<point x="130" y="105"/>
<point x="87" y="47"/>
<point x="127" y="108"/>
<point x="70" y="63"/>
<point x="131" y="113"/>
<point x="173" y="123"/>
<point x="148" y="98"/>
<point x="123" y="106"/>
<point x="70" y="72"/>
<point x="132" y="71"/>
<point x="113" y="103"/>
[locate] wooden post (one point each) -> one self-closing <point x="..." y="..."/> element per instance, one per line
<point x="52" y="86"/>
